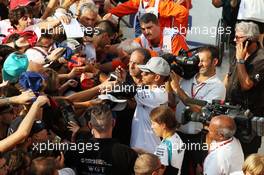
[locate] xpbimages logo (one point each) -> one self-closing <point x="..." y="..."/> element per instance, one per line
<point x="80" y="147"/>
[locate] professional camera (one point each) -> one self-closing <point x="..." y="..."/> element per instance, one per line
<point x="184" y="65"/>
<point x="247" y="125"/>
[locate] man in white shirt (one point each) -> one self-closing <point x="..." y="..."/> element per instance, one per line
<point x="205" y="85"/>
<point x="225" y="152"/>
<point x="154" y="74"/>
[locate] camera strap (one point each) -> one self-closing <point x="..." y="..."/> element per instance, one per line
<point x="198" y="89"/>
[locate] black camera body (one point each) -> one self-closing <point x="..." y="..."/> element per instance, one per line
<point x="248" y="126"/>
<point x="184" y="65"/>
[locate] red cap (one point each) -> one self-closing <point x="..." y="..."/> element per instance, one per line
<point x="19" y="3"/>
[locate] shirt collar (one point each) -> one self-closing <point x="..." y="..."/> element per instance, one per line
<point x="208" y="81"/>
<point x="214" y="145"/>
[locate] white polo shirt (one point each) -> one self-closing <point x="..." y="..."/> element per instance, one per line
<point x="142" y="135"/>
<point x="211" y="89"/>
<point x="224" y="158"/>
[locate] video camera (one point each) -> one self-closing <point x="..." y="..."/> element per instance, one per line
<point x="184" y="65"/>
<point x="248" y="125"/>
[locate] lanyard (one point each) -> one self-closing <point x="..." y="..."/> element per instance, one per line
<point x="228" y="141"/>
<point x="198" y="89"/>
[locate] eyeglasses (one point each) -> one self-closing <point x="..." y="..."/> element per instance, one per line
<point x="239" y="37"/>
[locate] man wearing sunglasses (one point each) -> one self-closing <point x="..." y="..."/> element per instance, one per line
<point x="152" y="94"/>
<point x="245" y="80"/>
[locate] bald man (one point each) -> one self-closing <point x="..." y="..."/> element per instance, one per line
<point x="225" y="153"/>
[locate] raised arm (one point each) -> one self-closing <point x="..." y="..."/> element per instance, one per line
<point x="25" y="127"/>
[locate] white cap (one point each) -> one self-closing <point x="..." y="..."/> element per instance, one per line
<point x="120" y="104"/>
<point x="158" y="65"/>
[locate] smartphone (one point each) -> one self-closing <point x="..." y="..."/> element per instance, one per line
<point x="112" y="77"/>
<point x="249" y="42"/>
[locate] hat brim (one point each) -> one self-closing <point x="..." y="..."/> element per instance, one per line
<point x="120" y="104"/>
<point x="7" y="77"/>
<point x="144" y="68"/>
<point x="111" y="98"/>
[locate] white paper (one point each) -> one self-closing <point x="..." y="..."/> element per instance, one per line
<point x="73" y="30"/>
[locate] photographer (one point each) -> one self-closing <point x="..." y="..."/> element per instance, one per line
<point x="245" y="80"/>
<point x="205" y="85"/>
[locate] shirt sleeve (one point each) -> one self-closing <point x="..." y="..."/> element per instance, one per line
<point x="169" y="8"/>
<point x="125" y="8"/>
<point x="178" y="43"/>
<point x="163" y="154"/>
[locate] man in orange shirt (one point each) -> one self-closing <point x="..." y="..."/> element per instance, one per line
<point x="170" y="13"/>
<point x="153" y="38"/>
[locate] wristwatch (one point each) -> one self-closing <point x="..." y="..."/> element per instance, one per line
<point x="241" y="61"/>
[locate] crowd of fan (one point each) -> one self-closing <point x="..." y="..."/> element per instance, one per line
<point x="99" y="104"/>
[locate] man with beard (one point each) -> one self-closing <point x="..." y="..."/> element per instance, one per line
<point x="205" y="85"/>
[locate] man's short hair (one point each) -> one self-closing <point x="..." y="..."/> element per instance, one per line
<point x="88" y="6"/>
<point x="249" y="29"/>
<point x="145" y="53"/>
<point x="149" y="17"/>
<point x="226" y="126"/>
<point x="107" y="26"/>
<point x="146" y="164"/>
<point x="16" y="14"/>
<point x="101" y="118"/>
<point x="42" y="166"/>
<point x="212" y="49"/>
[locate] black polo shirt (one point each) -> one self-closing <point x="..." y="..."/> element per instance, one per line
<point x="253" y="98"/>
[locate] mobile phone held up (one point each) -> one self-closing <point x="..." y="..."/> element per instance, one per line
<point x="249" y="42"/>
<point x="112" y="77"/>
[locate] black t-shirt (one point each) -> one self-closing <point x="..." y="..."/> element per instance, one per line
<point x="107" y="157"/>
<point x="252" y="99"/>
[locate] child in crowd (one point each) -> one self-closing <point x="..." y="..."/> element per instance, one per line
<point x="171" y="148"/>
